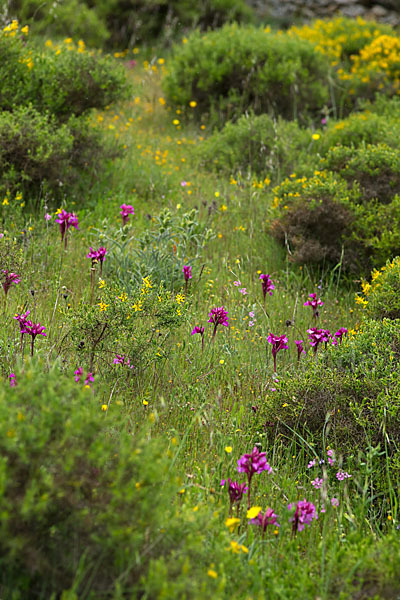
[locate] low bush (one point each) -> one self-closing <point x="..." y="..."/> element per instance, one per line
<point x="345" y="395"/>
<point x="46" y="143"/>
<point x="239" y="68"/>
<point x="85" y="503"/>
<point x="362" y="128"/>
<point x="256" y="144"/>
<point x="376" y="167"/>
<point x="381" y="297"/>
<point x="34" y="149"/>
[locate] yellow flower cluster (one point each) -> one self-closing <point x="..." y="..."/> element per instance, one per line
<point x="379" y="60"/>
<point x="12" y="29"/>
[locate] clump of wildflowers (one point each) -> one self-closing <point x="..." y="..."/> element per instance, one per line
<point x="9" y="279"/>
<point x="126" y="210"/>
<point x="89" y="377"/>
<point x="66" y="220"/>
<point x="278" y="343"/>
<point x="267" y="285"/>
<point x="13" y="380"/>
<point x="341" y="475"/>
<point x="122" y="360"/>
<point x="218" y="316"/>
<point x="314" y="303"/>
<point x="263" y="520"/>
<point x="252" y="463"/>
<point x="97" y="255"/>
<point x="316" y="336"/>
<point x="305" y="513"/>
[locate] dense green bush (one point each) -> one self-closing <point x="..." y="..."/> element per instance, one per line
<point x="257" y="144"/>
<point x="239" y="68"/>
<point x="70" y="18"/>
<point x="314" y="217"/>
<point x="122" y="23"/>
<point x="347" y="396"/>
<point x="365" y="127"/>
<point x="376" y="167"/>
<point x="319" y="219"/>
<point x="46" y="96"/>
<point x="85" y="503"/>
<point x="64" y="80"/>
<point x="381" y="297"/>
<point x="34" y="148"/>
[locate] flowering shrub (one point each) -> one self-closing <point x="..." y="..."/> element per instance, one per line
<point x="340" y="38"/>
<point x="381" y="296"/>
<point x="240" y="68"/>
<point x="135" y="327"/>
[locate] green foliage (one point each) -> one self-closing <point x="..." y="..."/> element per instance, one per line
<point x="34" y="148"/>
<point x="382" y="296"/>
<point x="362" y="128"/>
<point x="136" y="327"/>
<point x="240" y="68"/>
<point x="45" y="139"/>
<point x="375" y="167"/>
<point x="347" y="396"/>
<point x="159" y="253"/>
<point x="70" y="18"/>
<point x="315" y="217"/>
<point x="64" y="80"/>
<point x="319" y="217"/>
<point x="124" y="24"/>
<point x="256" y="144"/>
<point x="84" y="503"/>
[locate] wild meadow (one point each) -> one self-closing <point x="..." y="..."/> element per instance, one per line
<point x="199" y="339"/>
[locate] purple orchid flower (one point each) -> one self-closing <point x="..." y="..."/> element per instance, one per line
<point x="9" y="279"/>
<point x="252" y="463"/>
<point x="218" y="316"/>
<point x="300" y="349"/>
<point x="278" y="343"/>
<point x="267" y="285"/>
<point x="304" y="515"/>
<point x="66" y="220"/>
<point x="263" y="520"/>
<point x="33" y="329"/>
<point x="126" y="210"/>
<point x="314" y="303"/>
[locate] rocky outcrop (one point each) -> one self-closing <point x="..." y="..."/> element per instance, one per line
<point x="288" y="11"/>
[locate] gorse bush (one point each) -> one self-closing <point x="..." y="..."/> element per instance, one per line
<point x="238" y="68"/>
<point x="381" y="297"/>
<point x="340" y="38"/>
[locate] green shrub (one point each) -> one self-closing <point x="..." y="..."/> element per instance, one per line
<point x="318" y="218"/>
<point x="348" y="396"/>
<point x="63" y="79"/>
<point x="240" y="68"/>
<point x="70" y="18"/>
<point x="361" y="128"/>
<point x="381" y="297"/>
<point x="86" y="505"/>
<point x="256" y="144"/>
<point x="34" y="149"/>
<point x="315" y="217"/>
<point x="375" y="167"/>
